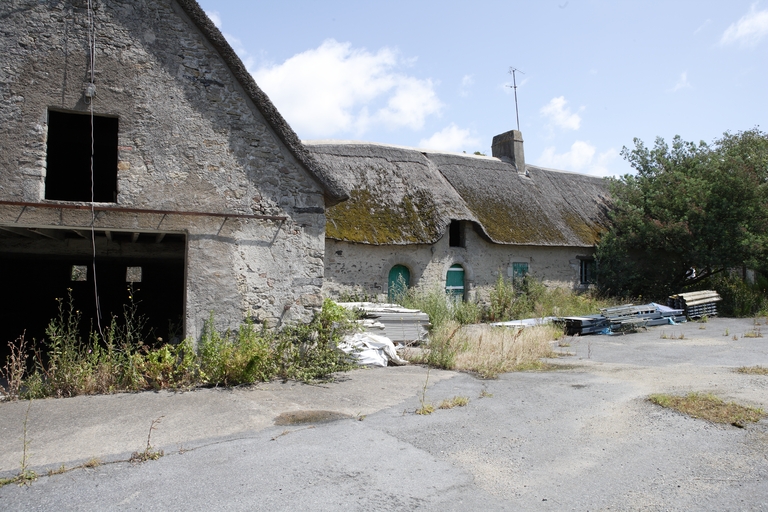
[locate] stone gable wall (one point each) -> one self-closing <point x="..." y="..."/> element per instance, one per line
<point x="189" y="139"/>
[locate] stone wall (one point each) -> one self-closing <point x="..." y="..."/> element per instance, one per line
<point x="190" y="139"/>
<point x="363" y="269"/>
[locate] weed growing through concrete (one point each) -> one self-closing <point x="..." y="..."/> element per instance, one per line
<point x="426" y="407"/>
<point x="149" y="453"/>
<point x="753" y="370"/>
<point x="457" y="401"/>
<point x="754" y="333"/>
<point x="485" y="394"/>
<point x="25" y="475"/>
<point x="726" y="333"/>
<point x="735" y="338"/>
<point x="709" y="407"/>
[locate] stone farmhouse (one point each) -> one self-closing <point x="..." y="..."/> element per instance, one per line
<point x="429" y="219"/>
<point x="198" y="195"/>
<point x="140" y="161"/>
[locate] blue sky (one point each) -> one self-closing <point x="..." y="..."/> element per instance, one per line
<point x="434" y="75"/>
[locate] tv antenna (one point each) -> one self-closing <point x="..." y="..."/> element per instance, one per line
<point x="512" y="71"/>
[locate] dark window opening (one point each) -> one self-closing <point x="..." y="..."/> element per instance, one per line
<point x="587" y="269"/>
<point x="456" y="234"/>
<point x="68" y="175"/>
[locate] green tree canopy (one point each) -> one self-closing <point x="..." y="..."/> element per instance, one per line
<point x="691" y="211"/>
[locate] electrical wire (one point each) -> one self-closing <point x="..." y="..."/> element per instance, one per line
<point x="92" y="59"/>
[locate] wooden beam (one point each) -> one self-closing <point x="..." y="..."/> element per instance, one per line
<point x="53" y="234"/>
<point x="18" y="231"/>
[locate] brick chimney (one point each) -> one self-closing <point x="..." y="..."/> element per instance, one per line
<point x="508" y="147"/>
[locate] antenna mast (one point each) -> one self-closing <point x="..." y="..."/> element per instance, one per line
<point x="514" y="85"/>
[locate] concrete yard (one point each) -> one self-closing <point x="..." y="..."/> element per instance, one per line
<point x="580" y="438"/>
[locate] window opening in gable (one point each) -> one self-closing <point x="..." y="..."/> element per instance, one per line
<point x="78" y="273"/>
<point x="456" y="234"/>
<point x="133" y="275"/>
<point x="68" y="160"/>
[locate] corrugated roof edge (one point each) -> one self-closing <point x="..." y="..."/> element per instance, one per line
<point x="334" y="192"/>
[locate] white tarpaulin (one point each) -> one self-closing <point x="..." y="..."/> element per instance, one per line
<point x="371" y="349"/>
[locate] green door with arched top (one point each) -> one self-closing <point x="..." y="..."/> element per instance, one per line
<point x="399" y="280"/>
<point x="454" y="282"/>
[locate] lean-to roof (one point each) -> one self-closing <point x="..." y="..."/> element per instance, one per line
<point x="334" y="192"/>
<point x="402" y="196"/>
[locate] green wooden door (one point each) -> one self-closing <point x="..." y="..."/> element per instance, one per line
<point x="399" y="281"/>
<point x="454" y="282"/>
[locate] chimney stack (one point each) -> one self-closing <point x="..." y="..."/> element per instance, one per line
<point x="508" y="147"/>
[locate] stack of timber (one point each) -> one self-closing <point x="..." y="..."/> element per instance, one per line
<point x="626" y="318"/>
<point x="696" y="304"/>
<point x="400" y="324"/>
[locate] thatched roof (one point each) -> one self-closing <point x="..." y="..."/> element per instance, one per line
<point x="403" y="195"/>
<point x="333" y="191"/>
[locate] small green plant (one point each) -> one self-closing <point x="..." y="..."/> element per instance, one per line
<point x="726" y="333"/>
<point x="485" y="394"/>
<point x="149" y="453"/>
<point x="753" y="370"/>
<point x="709" y="407"/>
<point x="754" y="333"/>
<point x="426" y="407"/>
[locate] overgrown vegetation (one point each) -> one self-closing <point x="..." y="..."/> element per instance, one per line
<point x="691" y="213"/>
<point x="490" y="351"/>
<point x="65" y="365"/>
<point x="709" y="407"/>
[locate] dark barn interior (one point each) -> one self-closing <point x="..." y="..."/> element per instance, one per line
<point x="42" y="265"/>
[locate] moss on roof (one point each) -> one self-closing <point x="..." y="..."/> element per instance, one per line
<point x="365" y="218"/>
<point x="404" y="196"/>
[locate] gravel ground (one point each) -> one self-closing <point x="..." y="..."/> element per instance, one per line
<point x="580" y="438"/>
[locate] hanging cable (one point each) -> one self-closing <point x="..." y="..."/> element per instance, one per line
<point x="89" y="94"/>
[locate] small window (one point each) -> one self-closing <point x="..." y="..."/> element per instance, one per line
<point x="79" y="273"/>
<point x="519" y="270"/>
<point x="133" y="275"/>
<point x="587" y="270"/>
<point x="456" y="234"/>
<point x="68" y="160"/>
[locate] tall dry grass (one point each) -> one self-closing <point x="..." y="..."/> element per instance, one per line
<point x="487" y="350"/>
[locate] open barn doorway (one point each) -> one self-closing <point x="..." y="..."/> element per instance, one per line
<point x="42" y="267"/>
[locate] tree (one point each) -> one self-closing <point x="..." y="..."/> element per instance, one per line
<point x="690" y="212"/>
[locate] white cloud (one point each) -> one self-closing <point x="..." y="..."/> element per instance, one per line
<point x="582" y="157"/>
<point x="749" y="30"/>
<point x="682" y="82"/>
<point x="702" y="26"/>
<point x="561" y="116"/>
<point x="336" y="88"/>
<point x="451" y="138"/>
<point x="215" y="18"/>
<point x="467" y="81"/>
